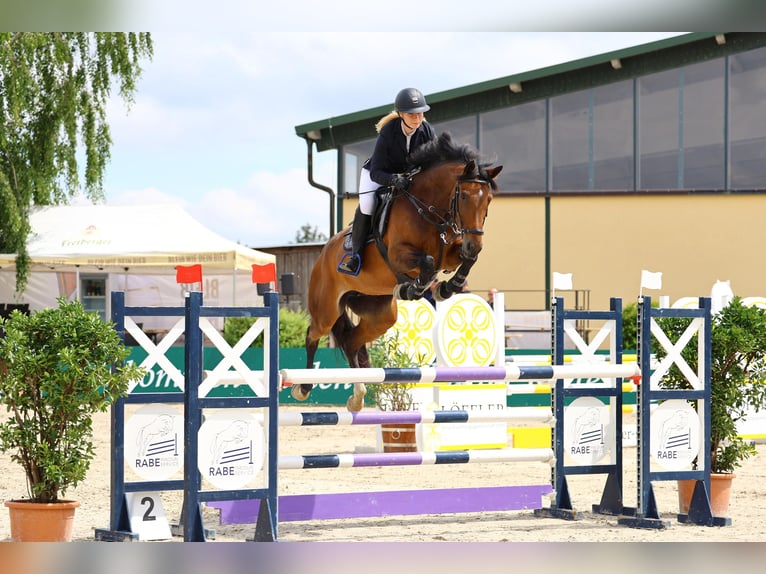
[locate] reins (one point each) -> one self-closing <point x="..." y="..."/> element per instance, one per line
<point x="445" y="219"/>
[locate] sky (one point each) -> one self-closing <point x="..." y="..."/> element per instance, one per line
<point x="212" y="127"/>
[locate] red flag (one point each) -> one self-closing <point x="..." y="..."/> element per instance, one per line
<point x="189" y="273"/>
<point x="264" y="273"/>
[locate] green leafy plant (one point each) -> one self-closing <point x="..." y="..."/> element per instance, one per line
<point x="292" y="329"/>
<point x="630" y="325"/>
<point x="738" y="366"/>
<point x="387" y="351"/>
<point x="58" y="367"/>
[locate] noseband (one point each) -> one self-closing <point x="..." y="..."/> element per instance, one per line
<point x="455" y="212"/>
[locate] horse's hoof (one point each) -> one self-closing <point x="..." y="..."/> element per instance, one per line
<point x="354" y="406"/>
<point x="297" y="393"/>
<point x="407" y="292"/>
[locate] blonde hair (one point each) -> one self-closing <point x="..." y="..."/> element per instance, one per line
<point x="392" y="115"/>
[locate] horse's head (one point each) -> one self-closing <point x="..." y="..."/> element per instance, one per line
<point x="473" y="192"/>
<point x="452" y="191"/>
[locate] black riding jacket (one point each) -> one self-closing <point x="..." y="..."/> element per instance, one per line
<point x="391" y="154"/>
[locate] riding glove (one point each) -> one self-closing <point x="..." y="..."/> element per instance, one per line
<point x="400" y="182"/>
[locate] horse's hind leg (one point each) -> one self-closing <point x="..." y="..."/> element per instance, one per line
<point x="301" y="392"/>
<point x="321" y="322"/>
<point x="376" y="314"/>
<point x="356" y="401"/>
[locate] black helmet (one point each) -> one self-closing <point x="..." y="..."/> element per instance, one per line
<point x="411" y="101"/>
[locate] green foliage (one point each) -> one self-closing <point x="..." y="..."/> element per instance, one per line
<point x="54" y="90"/>
<point x="738" y="366"/>
<point x="387" y="351"/>
<point x="292" y="329"/>
<point x="56" y="371"/>
<point x="308" y="234"/>
<point x="630" y="325"/>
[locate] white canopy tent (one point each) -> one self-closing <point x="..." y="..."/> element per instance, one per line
<point x="149" y="238"/>
<point x="131" y="242"/>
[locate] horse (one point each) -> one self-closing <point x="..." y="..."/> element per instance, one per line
<point x="433" y="230"/>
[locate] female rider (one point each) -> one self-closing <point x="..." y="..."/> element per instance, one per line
<point x="400" y="132"/>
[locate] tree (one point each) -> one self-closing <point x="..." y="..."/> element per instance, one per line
<point x="54" y="87"/>
<point x="308" y="234"/>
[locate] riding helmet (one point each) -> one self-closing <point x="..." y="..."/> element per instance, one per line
<point x="411" y="101"/>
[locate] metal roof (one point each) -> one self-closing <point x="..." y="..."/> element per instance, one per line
<point x="600" y="69"/>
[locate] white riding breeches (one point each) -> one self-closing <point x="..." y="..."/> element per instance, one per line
<point x="367" y="196"/>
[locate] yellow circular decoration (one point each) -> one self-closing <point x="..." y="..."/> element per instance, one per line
<point x="465" y="332"/>
<point x="414" y="325"/>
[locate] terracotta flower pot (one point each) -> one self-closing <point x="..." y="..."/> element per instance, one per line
<point x="41" y="521"/>
<point x="720" y="494"/>
<point x="399" y="438"/>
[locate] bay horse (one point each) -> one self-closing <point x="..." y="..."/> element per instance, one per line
<point x="435" y="226"/>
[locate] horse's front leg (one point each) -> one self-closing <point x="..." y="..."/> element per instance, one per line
<point x="446" y="289"/>
<point x="415" y="289"/>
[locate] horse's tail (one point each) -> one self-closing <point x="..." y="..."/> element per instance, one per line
<point x="342" y="327"/>
<point x="341" y="331"/>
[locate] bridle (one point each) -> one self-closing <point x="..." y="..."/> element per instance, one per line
<point x="447" y="220"/>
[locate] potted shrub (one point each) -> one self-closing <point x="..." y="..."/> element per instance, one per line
<point x="58" y="367"/>
<point x="738" y="368"/>
<point x="387" y="351"/>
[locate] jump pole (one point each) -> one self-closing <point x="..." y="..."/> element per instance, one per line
<point x="508" y="373"/>
<point x="342" y="418"/>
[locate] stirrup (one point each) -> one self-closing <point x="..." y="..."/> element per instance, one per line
<point x="351" y="264"/>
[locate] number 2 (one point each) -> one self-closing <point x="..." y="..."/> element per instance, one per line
<point x="148" y="516"/>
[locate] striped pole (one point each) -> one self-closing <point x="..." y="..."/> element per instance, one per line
<point x="458" y="374"/>
<point x="340" y="418"/>
<point x="357" y="460"/>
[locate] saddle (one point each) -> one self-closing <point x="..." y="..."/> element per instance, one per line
<point x="379" y="218"/>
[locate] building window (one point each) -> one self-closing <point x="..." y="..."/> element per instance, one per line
<point x="354" y="156"/>
<point x="515" y="138"/>
<point x="592" y="139"/>
<point x="681" y="128"/>
<point x="703" y="126"/>
<point x="462" y="130"/>
<point x="747" y="120"/>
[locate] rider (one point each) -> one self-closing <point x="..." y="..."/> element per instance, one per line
<point x="400" y="132"/>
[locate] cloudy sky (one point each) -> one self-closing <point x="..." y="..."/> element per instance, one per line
<point x="213" y="124"/>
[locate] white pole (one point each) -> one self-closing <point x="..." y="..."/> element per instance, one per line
<point x="498" y="306"/>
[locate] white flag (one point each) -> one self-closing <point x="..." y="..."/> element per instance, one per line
<point x="562" y="280"/>
<point x="651" y="280"/>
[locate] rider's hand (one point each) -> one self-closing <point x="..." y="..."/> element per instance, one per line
<point x="400" y="182"/>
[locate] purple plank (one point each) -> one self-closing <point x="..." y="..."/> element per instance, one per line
<point x="394" y="503"/>
<point x="390" y="417"/>
<point x="470" y="373"/>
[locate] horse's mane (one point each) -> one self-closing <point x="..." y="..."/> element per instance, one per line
<point x="442" y="150"/>
<point x="445" y="150"/>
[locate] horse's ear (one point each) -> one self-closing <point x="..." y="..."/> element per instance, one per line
<point x="493" y="173"/>
<point x="470" y="169"/>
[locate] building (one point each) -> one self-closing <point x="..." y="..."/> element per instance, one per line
<point x="651" y="157"/>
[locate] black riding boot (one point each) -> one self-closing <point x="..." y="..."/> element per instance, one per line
<point x="360" y="229"/>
